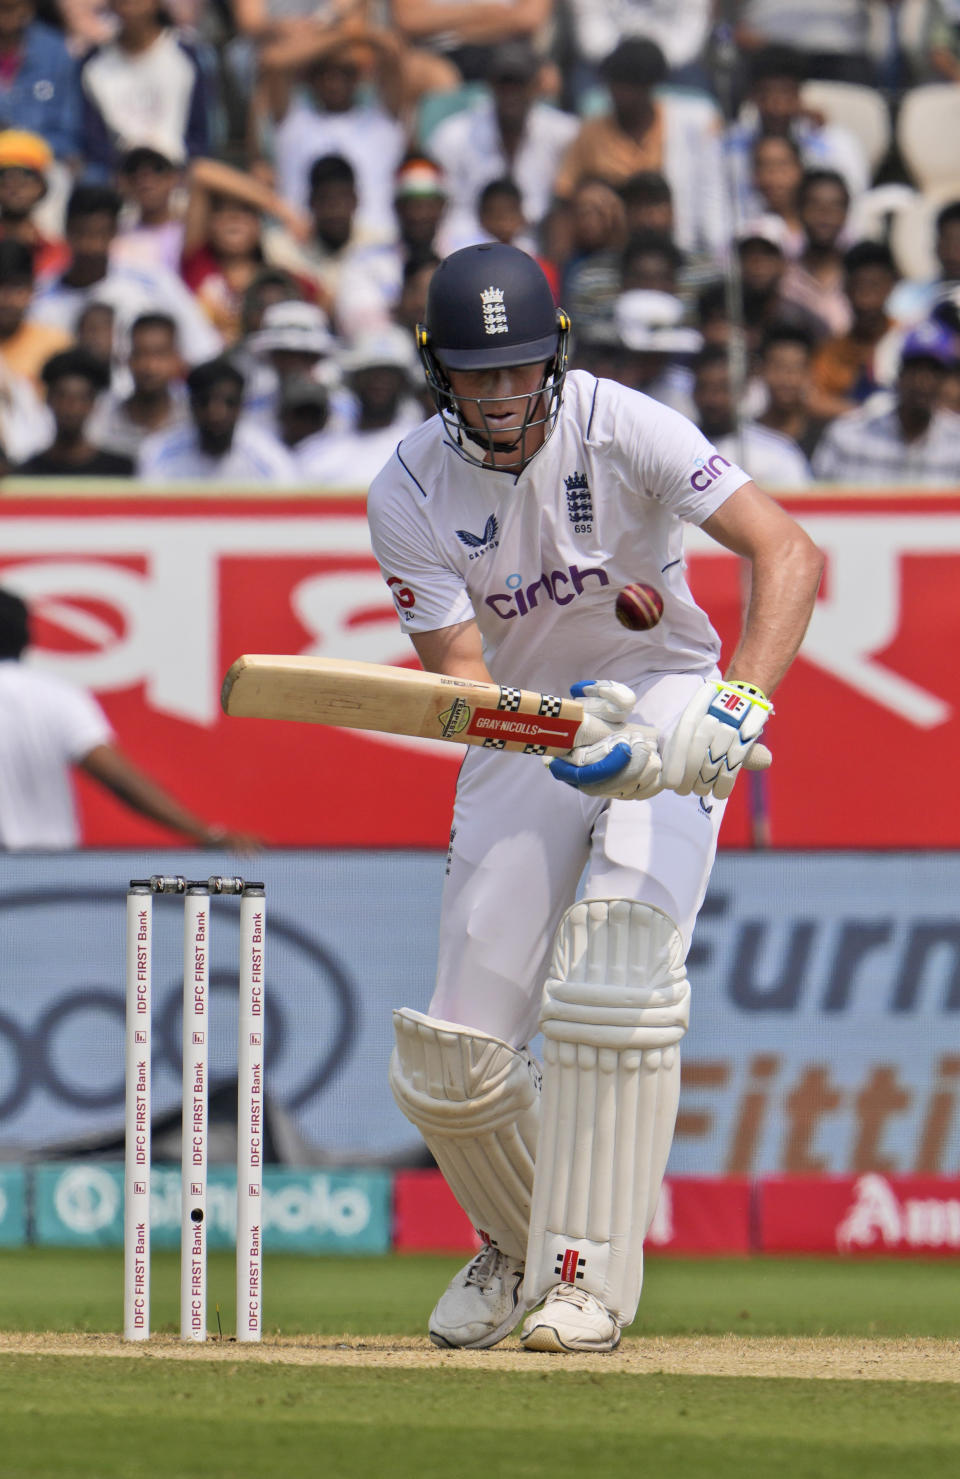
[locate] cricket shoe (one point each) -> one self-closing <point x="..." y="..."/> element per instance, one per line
<point x="481" y="1304"/>
<point x="571" y="1320"/>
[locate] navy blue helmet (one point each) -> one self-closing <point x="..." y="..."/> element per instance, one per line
<point x="490" y="307"/>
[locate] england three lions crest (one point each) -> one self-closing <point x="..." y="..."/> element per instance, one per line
<point x="579" y="502"/>
<point x="494" y="311"/>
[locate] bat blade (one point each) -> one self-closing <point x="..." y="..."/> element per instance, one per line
<point x="357" y="695"/>
<point x="372" y="696"/>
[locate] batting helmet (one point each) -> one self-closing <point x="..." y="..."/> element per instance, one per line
<point x="490" y="307"/>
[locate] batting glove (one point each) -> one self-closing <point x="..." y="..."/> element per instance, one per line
<point x="612" y="758"/>
<point x="713" y="737"/>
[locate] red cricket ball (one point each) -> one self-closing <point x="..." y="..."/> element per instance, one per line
<point x="639" y="607"/>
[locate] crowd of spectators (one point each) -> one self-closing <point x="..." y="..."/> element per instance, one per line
<point x="218" y="223"/>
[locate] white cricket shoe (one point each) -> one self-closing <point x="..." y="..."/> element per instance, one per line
<point x="571" y="1320"/>
<point x="481" y="1304"/>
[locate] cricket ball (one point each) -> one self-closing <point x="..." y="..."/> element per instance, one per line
<point x="639" y="607"/>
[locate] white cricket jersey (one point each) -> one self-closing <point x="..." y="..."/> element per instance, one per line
<point x="46" y="726"/>
<point x="538" y="558"/>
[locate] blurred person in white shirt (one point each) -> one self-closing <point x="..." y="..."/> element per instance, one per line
<point x="832" y="34"/>
<point x="655" y="347"/>
<point x="371" y="282"/>
<point x="147" y="77"/>
<point x="158" y="400"/>
<point x="512" y="133"/>
<point x="219" y="444"/>
<point x="151" y="224"/>
<point x="379" y="371"/>
<point x="906" y="437"/>
<point x="679" y="27"/>
<point x="26" y="425"/>
<point x="774" y="106"/>
<point x="294" y="342"/>
<point x="767" y="455"/>
<point x="91" y="229"/>
<point x="332" y="115"/>
<point x="303" y="406"/>
<point x="335" y="239"/>
<point x="47" y="728"/>
<point x="912" y="301"/>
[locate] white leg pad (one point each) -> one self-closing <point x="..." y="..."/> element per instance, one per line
<point x="476" y="1102"/>
<point x="616" y="1004"/>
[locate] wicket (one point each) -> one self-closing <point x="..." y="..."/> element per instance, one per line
<point x="196" y="896"/>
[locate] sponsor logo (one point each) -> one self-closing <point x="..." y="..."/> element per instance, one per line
<point x="403" y="597"/>
<point x="87" y="1199"/>
<point x="479" y="544"/>
<point x="560" y="586"/>
<point x="529" y="729"/>
<point x="570" y="1266"/>
<point x="579" y="502"/>
<point x="878" y="1217"/>
<point x="704" y="807"/>
<point x="494" y="311"/>
<point x="706" y="471"/>
<point x="454" y="719"/>
<point x="36" y="1071"/>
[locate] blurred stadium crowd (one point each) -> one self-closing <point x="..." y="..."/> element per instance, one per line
<point x="219" y="219"/>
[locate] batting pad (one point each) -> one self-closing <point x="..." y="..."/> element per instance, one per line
<point x="476" y="1102"/>
<point x="616" y="1004"/>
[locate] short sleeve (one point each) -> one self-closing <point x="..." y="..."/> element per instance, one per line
<point x="426" y="591"/>
<point x="80" y="722"/>
<point x="672" y="461"/>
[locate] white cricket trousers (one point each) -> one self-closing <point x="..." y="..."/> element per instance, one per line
<point x="520" y="842"/>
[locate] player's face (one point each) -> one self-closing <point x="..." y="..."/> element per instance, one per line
<point x="500" y="404"/>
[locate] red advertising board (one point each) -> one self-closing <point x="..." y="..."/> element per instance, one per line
<point x="695" y="1214"/>
<point x="910" y="1215"/>
<point x="147" y="600"/>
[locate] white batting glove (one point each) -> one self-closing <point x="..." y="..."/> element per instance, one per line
<point x="713" y="737"/>
<point x="611" y="757"/>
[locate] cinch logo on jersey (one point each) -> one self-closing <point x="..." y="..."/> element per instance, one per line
<point x="479" y="544"/>
<point x="706" y="472"/>
<point x="579" y="502"/>
<point x="494" y="311"/>
<point x="518" y="599"/>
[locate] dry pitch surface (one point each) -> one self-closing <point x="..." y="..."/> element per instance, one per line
<point x="830" y="1358"/>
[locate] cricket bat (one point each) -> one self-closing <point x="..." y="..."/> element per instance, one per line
<point x="365" y="695"/>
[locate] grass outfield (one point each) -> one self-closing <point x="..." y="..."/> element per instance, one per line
<point x="60" y="1289"/>
<point x="224" y="1412"/>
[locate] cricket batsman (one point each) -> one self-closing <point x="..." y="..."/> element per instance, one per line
<point x="505" y="527"/>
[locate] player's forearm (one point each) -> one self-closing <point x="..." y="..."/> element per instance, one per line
<point x="456" y="652"/>
<point x="782" y="596"/>
<point x="140" y="793"/>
